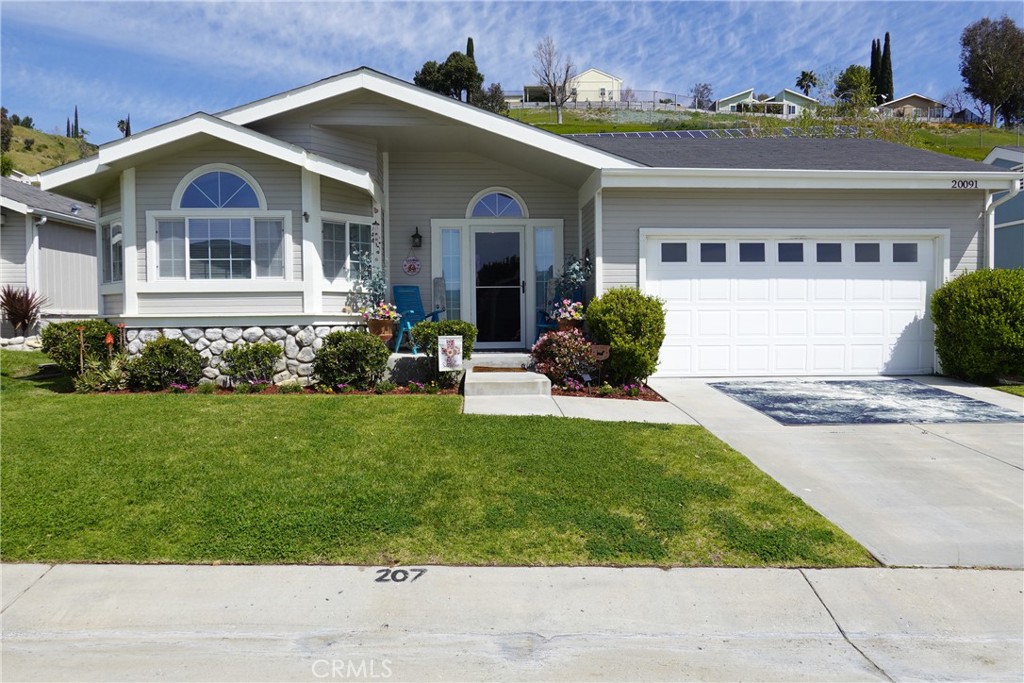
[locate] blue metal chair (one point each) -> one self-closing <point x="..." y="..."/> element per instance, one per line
<point x="410" y="306"/>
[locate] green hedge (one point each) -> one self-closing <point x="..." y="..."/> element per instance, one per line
<point x="979" y="325"/>
<point x="251" y="363"/>
<point x="633" y="325"/>
<point x="60" y="342"/>
<point x="356" y="359"/>
<point x="164" y="362"/>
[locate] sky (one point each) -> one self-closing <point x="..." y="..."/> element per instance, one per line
<point x="159" y="61"/>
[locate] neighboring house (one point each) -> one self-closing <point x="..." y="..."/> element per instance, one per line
<point x="914" y="106"/>
<point x="774" y="256"/>
<point x="966" y="116"/>
<point x="48" y="245"/>
<point x="592" y="85"/>
<point x="1009" y="215"/>
<point x="787" y="103"/>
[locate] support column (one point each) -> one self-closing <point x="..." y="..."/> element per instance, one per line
<point x="312" y="244"/>
<point x="129" y="240"/>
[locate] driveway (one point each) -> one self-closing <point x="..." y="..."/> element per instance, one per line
<point x="914" y="494"/>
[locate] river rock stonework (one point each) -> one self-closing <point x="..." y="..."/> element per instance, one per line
<point x="298" y="346"/>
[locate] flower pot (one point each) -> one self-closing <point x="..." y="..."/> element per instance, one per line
<point x="566" y="325"/>
<point x="382" y="329"/>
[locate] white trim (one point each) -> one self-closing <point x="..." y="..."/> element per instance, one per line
<point x="210" y="168"/>
<point x="312" y="265"/>
<point x="98" y="266"/>
<point x="752" y="178"/>
<point x="499" y="190"/>
<point x="204" y="124"/>
<point x="510" y="225"/>
<point x="598" y="244"/>
<point x="146" y="320"/>
<point x="129" y="236"/>
<point x="381" y="84"/>
<point x="590" y="187"/>
<point x="31" y="253"/>
<point x="891" y="103"/>
<point x="221" y="286"/>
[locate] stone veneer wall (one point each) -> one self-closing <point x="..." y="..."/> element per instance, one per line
<point x="300" y="345"/>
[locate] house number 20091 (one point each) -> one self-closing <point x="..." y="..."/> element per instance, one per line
<point x="398" y="575"/>
<point x="964" y="184"/>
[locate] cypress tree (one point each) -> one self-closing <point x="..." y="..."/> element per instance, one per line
<point x="69" y="127"/>
<point x="75" y="128"/>
<point x="469" y="48"/>
<point x="876" y="62"/>
<point x="885" y="72"/>
<point x="128" y="126"/>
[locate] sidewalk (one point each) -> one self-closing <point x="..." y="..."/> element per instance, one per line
<point x="115" y="622"/>
<point x="604" y="409"/>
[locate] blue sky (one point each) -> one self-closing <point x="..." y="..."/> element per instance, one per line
<point x="162" y="60"/>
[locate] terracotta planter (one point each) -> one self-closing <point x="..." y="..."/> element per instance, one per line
<point x="565" y="325"/>
<point x="382" y="329"/>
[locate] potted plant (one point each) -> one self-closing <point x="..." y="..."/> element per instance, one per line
<point x="569" y="314"/>
<point x="380" y="318"/>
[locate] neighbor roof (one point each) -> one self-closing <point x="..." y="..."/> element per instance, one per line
<point x="792" y="153"/>
<point x="34" y="198"/>
<point x="907" y="97"/>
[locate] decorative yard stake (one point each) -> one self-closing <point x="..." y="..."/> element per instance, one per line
<point x="121" y="331"/>
<point x="81" y="348"/>
<point x="109" y="341"/>
<point x="449" y="357"/>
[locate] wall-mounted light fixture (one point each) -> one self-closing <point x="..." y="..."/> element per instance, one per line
<point x="417" y="239"/>
<point x="305" y="216"/>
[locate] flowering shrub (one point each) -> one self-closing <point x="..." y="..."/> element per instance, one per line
<point x="563" y="355"/>
<point x="567" y="309"/>
<point x="571" y="384"/>
<point x="631" y="390"/>
<point x="178" y="388"/>
<point x="381" y="311"/>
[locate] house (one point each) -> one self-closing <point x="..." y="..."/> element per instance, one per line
<point x="787" y="103"/>
<point x="48" y="245"/>
<point x="775" y="256"/>
<point x="1009" y="216"/>
<point x="592" y="85"/>
<point x="914" y="106"/>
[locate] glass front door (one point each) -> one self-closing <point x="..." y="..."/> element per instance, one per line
<point x="498" y="294"/>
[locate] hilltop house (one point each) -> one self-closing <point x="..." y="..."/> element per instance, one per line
<point x="914" y="106"/>
<point x="786" y="103"/>
<point x="774" y="256"/>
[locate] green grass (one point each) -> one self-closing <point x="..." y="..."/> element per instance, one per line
<point x="378" y="480"/>
<point x="969" y="142"/>
<point x="46" y="150"/>
<point x="1015" y="389"/>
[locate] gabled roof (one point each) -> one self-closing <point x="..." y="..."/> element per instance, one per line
<point x="598" y="71"/>
<point x="120" y="151"/>
<point x="25" y="198"/>
<point x="795" y="93"/>
<point x="367" y="79"/>
<point x="740" y="96"/>
<point x="907" y="97"/>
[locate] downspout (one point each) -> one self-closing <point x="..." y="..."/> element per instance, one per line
<point x="990" y="221"/>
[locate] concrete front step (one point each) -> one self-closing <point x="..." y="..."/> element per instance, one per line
<point x="506" y="384"/>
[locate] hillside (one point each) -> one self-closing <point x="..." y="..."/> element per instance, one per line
<point x="45" y="151"/>
<point x="959" y="140"/>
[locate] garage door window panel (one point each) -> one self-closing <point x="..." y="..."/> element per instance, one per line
<point x="867" y="252"/>
<point x="829" y="252"/>
<point x="791" y="252"/>
<point x="904" y="252"/>
<point x="673" y="252"/>
<point x="712" y="252"/>
<point x="752" y="252"/>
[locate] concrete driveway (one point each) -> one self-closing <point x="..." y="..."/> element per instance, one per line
<point x="932" y="495"/>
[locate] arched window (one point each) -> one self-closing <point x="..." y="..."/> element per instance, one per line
<point x="219" y="190"/>
<point x="497" y="203"/>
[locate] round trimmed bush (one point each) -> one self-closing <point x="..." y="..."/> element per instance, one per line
<point x="979" y="325"/>
<point x="164" y="362"/>
<point x="251" y="363"/>
<point x="563" y="355"/>
<point x="633" y="325"/>
<point x="426" y="333"/>
<point x="357" y="359"/>
<point x="60" y="342"/>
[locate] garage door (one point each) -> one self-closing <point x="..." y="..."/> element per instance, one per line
<point x="745" y="306"/>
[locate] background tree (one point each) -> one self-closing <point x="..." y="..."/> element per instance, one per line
<point x="853" y="90"/>
<point x="6" y="130"/>
<point x="627" y="95"/>
<point x="876" y="63"/>
<point x="554" y="71"/>
<point x="701" y="94"/>
<point x="885" y="85"/>
<point x="74" y="128"/>
<point x="469" y="48"/>
<point x="806" y="81"/>
<point x="457" y="77"/>
<point x="991" y="54"/>
<point x="27" y="122"/>
<point x="125" y="126"/>
<point x="491" y="99"/>
<point x="68" y="134"/>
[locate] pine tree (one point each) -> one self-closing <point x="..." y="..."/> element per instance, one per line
<point x="128" y="128"/>
<point x="469" y="48"/>
<point x="69" y="128"/>
<point x="74" y="130"/>
<point x="876" y="63"/>
<point x="885" y="85"/>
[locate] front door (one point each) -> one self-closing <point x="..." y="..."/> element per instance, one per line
<point x="500" y="285"/>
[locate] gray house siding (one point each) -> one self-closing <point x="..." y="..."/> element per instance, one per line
<point x="281" y="183"/>
<point x="1010" y="247"/>
<point x="353" y="150"/>
<point x="625" y="211"/>
<point x="67" y="268"/>
<point x="12" y="250"/>
<point x="428" y="186"/>
<point x="342" y="198"/>
<point x="113" y="304"/>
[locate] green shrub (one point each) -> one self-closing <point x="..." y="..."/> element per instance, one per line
<point x="251" y="362"/>
<point x="164" y="362"/>
<point x="104" y="375"/>
<point x="206" y="388"/>
<point x="60" y="342"/>
<point x="979" y="325"/>
<point x="357" y="359"/>
<point x="290" y="388"/>
<point x="633" y="325"/>
<point x="563" y="355"/>
<point x="426" y="333"/>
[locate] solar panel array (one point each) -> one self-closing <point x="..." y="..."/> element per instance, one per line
<point x="717" y="133"/>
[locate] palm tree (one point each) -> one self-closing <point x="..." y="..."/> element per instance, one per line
<point x="807" y="81"/>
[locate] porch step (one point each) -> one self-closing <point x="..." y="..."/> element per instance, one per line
<point x="498" y="359"/>
<point x="506" y="384"/>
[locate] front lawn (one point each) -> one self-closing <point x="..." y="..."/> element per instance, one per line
<point x="377" y="480"/>
<point x="1015" y="389"/>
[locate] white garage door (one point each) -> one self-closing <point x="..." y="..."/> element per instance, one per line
<point x="748" y="306"/>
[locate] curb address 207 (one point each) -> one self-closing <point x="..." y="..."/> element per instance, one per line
<point x="964" y="184"/>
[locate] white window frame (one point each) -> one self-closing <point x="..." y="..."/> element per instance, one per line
<point x="183" y="184"/>
<point x="344" y="284"/>
<point x="105" y="257"/>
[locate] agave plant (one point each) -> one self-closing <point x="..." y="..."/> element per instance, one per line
<point x="22" y="307"/>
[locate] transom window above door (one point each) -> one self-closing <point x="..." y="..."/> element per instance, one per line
<point x="497" y="203"/>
